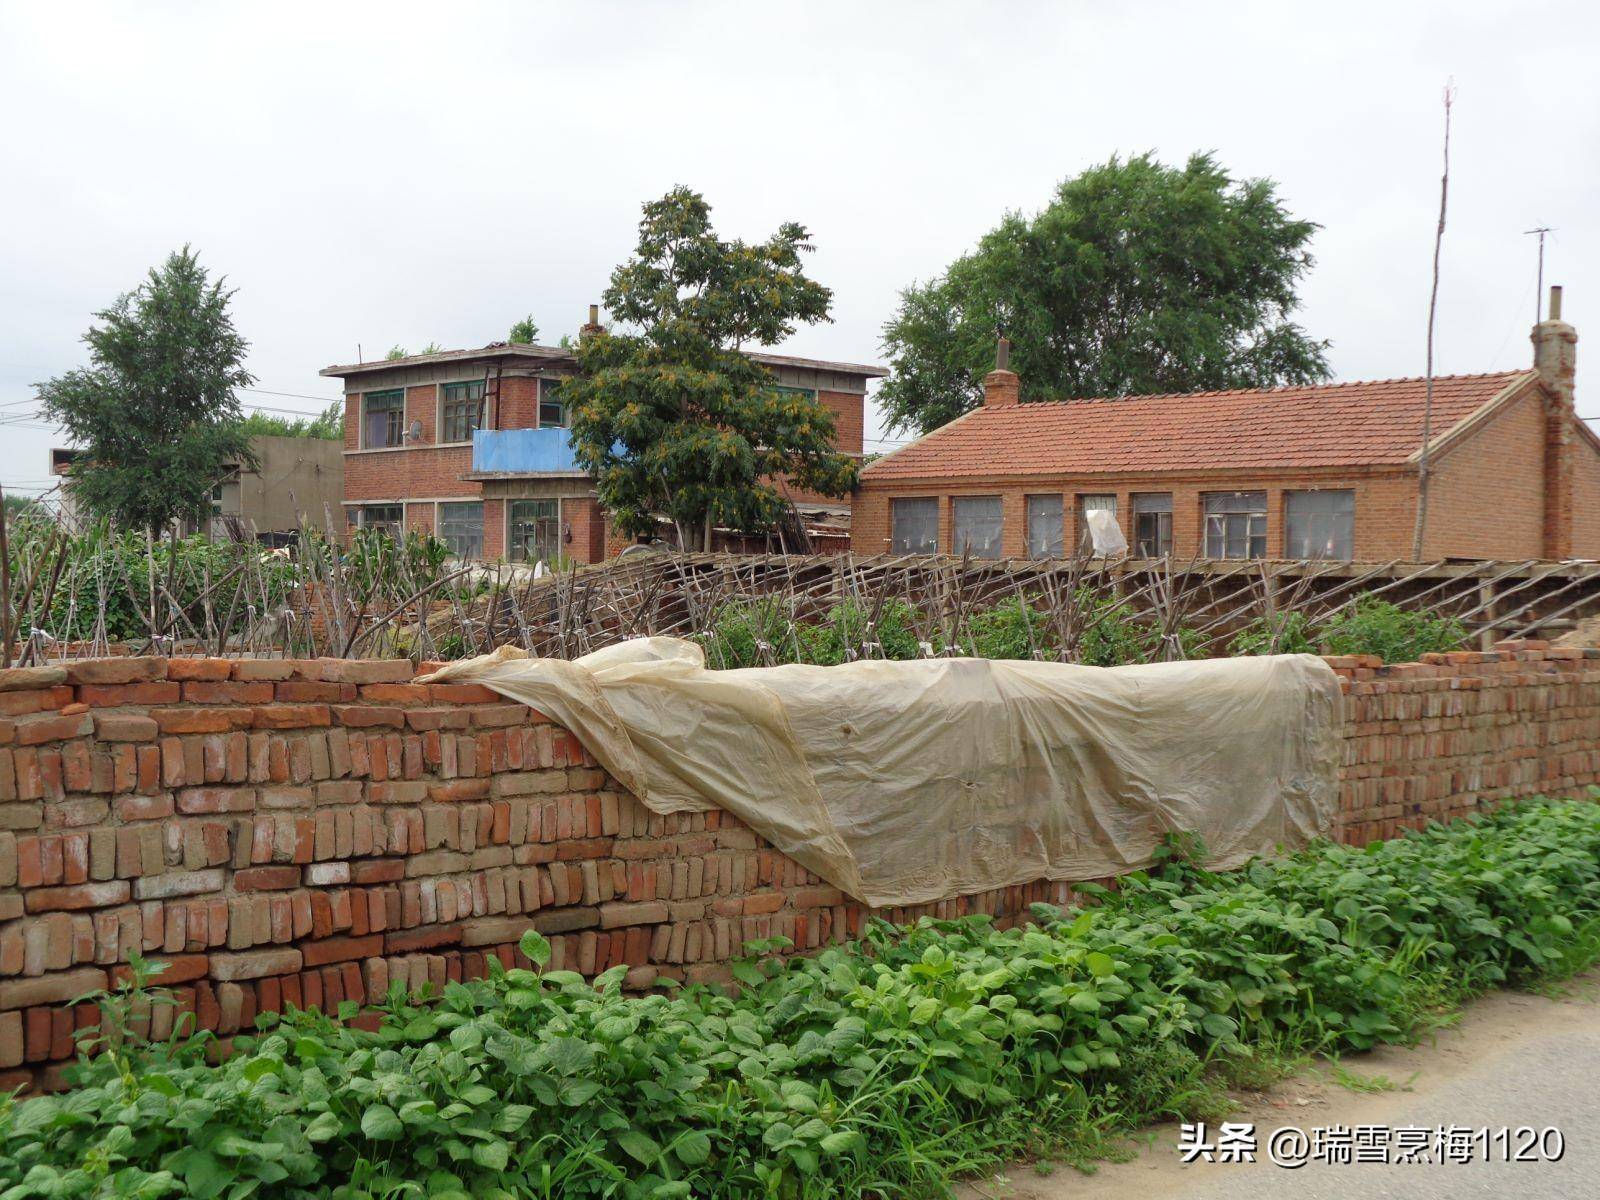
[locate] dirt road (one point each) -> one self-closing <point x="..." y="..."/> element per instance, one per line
<point x="1513" y="1060"/>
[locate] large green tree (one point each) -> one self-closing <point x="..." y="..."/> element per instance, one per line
<point x="1137" y="278"/>
<point x="155" y="411"/>
<point x="669" y="413"/>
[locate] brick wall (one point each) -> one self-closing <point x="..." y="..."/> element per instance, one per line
<point x="311" y="832"/>
<point x="1436" y="739"/>
<point x="1487" y="494"/>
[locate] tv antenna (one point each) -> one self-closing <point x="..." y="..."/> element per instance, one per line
<point x="1538" y="291"/>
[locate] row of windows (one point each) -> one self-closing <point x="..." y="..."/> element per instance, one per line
<point x="461" y="410"/>
<point x="533" y="527"/>
<point x="1318" y="524"/>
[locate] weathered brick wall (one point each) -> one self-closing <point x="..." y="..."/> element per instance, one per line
<point x="312" y="832"/>
<point x="1437" y="739"/>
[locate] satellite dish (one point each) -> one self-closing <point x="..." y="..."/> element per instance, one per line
<point x="416" y="431"/>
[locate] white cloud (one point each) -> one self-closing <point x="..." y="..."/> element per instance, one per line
<point x="381" y="174"/>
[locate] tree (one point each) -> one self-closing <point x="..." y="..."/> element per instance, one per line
<point x="669" y="414"/>
<point x="1137" y="278"/>
<point x="155" y="412"/>
<point x="328" y="425"/>
<point x="524" y="333"/>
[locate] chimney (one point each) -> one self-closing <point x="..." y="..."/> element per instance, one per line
<point x="1555" y="358"/>
<point x="593" y="326"/>
<point x="1001" y="385"/>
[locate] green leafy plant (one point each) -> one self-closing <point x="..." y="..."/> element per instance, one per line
<point x="888" y="1067"/>
<point x="1373" y="626"/>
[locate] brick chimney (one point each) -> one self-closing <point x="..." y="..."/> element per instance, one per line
<point x="1555" y="358"/>
<point x="1001" y="385"/>
<point x="592" y="326"/>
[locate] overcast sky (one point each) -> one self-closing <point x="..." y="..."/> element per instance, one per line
<point x="373" y="175"/>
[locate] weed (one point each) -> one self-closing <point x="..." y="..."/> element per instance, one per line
<point x="889" y="1067"/>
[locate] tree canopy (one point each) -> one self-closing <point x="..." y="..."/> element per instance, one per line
<point x="327" y="425"/>
<point x="155" y="411"/>
<point x="524" y="333"/>
<point x="669" y="414"/>
<point x="1136" y="279"/>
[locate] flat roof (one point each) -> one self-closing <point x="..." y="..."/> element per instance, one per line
<point x="525" y="350"/>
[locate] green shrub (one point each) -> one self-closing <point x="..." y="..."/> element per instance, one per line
<point x="1373" y="626"/>
<point x="943" y="1049"/>
<point x="1281" y="633"/>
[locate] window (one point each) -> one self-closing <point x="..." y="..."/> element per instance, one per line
<point x="535" y="530"/>
<point x="1319" y="524"/>
<point x="387" y="517"/>
<point x="384" y="419"/>
<point x="1045" y="526"/>
<point x="975" y="522"/>
<point x="463" y="411"/>
<point x="914" y="526"/>
<point x="461" y="528"/>
<point x="1087" y="505"/>
<point x="1236" y="524"/>
<point x="551" y="409"/>
<point x="1152" y="524"/>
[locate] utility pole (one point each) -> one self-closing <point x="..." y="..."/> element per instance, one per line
<point x="1538" y="290"/>
<point x="1433" y="309"/>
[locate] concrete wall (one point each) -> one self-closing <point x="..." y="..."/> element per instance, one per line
<point x="299" y="480"/>
<point x="309" y="832"/>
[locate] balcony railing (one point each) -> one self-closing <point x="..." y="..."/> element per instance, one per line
<point x="545" y="451"/>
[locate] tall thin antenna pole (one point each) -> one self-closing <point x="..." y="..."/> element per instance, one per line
<point x="1433" y="309"/>
<point x="1538" y="291"/>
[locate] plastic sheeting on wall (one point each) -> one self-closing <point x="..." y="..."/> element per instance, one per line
<point x="906" y="782"/>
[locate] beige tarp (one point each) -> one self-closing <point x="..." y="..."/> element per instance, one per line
<point x="903" y="782"/>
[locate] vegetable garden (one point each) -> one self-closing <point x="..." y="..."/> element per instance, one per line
<point x="883" y="1068"/>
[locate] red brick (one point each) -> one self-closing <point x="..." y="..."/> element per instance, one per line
<point x="114" y="695"/>
<point x="116" y="670"/>
<point x="291" y="716"/>
<point x="79" y="896"/>
<point x="357" y="716"/>
<point x="199" y="669"/>
<point x="38" y="730"/>
<point x="202" y="720"/>
<point x="124" y="727"/>
<point x="342" y="949"/>
<point x="227" y="693"/>
<point x="264" y="879"/>
<point x="262" y="669"/>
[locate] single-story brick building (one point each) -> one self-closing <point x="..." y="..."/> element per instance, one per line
<point x="472" y="445"/>
<point x="1299" y="472"/>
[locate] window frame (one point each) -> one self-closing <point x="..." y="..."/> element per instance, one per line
<point x="1060" y="516"/>
<point x="1081" y="511"/>
<point x="957" y="545"/>
<point x="1349" y="514"/>
<point x="1162" y="522"/>
<point x="446" y="403"/>
<point x="366" y="417"/>
<point x="1227" y="534"/>
<point x="511" y="543"/>
<point x="399" y="525"/>
<point x="895" y="503"/>
<point x="439" y="527"/>
<point x="554" y="386"/>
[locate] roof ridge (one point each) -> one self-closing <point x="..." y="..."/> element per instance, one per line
<point x="1267" y="391"/>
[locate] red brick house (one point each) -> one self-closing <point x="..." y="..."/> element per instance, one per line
<point x="472" y="445"/>
<point x="1300" y="472"/>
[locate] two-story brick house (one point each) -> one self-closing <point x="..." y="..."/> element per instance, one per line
<point x="1298" y="472"/>
<point x="472" y="445"/>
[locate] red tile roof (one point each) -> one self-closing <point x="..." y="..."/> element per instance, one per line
<point x="1334" y="425"/>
